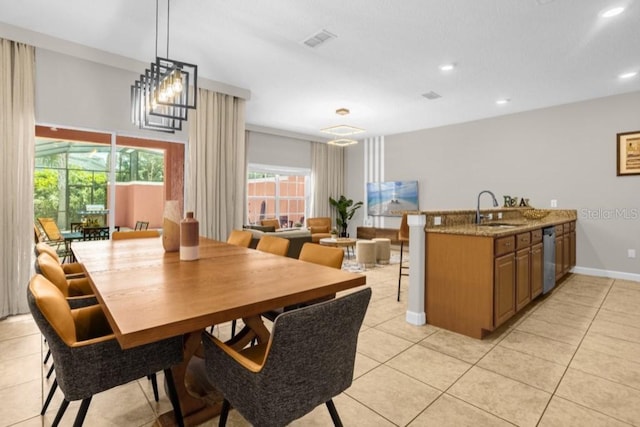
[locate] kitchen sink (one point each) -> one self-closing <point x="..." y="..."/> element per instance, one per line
<point x="500" y="225"/>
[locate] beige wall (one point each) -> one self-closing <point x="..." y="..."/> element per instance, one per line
<point x="567" y="153"/>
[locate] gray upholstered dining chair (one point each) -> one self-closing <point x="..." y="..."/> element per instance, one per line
<point x="316" y="254"/>
<point x="307" y="361"/>
<point x="87" y="356"/>
<point x="273" y="245"/>
<point x="76" y="290"/>
<point x="240" y="238"/>
<point x="71" y="269"/>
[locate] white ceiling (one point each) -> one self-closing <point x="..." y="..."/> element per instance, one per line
<point x="537" y="53"/>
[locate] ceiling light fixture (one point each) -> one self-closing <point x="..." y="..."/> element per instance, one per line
<point x="628" y="75"/>
<point x="342" y="142"/>
<point x="612" y="12"/>
<point x="503" y="101"/>
<point x="342" y="131"/>
<point x="447" y="67"/>
<point x="162" y="96"/>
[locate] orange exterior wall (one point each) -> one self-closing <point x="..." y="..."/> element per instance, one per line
<point x="139" y="202"/>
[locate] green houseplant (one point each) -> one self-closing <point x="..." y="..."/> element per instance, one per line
<point x="346" y="208"/>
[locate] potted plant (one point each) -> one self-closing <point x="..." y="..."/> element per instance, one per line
<point x="334" y="233"/>
<point x="346" y="208"/>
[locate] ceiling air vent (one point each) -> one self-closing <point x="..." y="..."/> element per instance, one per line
<point x="431" y="95"/>
<point x="319" y="38"/>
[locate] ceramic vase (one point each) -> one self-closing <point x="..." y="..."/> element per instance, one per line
<point x="189" y="238"/>
<point x="171" y="226"/>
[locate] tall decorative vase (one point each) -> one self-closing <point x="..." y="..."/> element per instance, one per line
<point x="189" y="238"/>
<point x="171" y="226"/>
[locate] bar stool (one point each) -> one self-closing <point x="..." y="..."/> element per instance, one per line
<point x="383" y="250"/>
<point x="366" y="253"/>
<point x="403" y="237"/>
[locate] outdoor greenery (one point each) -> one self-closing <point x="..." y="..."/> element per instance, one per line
<point x="77" y="179"/>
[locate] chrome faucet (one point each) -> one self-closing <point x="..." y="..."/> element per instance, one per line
<point x="495" y="205"/>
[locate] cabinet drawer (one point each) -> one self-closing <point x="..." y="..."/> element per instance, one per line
<point x="566" y="227"/>
<point x="504" y="245"/>
<point x="536" y="236"/>
<point x="559" y="230"/>
<point x="523" y="240"/>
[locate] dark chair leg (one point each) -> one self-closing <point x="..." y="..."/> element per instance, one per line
<point x="52" y="390"/>
<point x="400" y="270"/>
<point x="154" y="385"/>
<point x="233" y="328"/>
<point x="63" y="407"/>
<point x="47" y="356"/>
<point x="82" y="412"/>
<point x="224" y="413"/>
<point x="334" y="413"/>
<point x="173" y="397"/>
<point x="50" y="371"/>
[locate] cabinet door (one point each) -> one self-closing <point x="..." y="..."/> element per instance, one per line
<point x="559" y="253"/>
<point x="566" y="261"/>
<point x="504" y="305"/>
<point x="537" y="270"/>
<point x="523" y="283"/>
<point x="572" y="249"/>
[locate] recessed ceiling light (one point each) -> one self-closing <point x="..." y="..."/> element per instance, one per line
<point x="502" y="101"/>
<point x="628" y="75"/>
<point x="447" y="67"/>
<point x="612" y="12"/>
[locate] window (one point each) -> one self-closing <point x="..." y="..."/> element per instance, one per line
<point x="277" y="192"/>
<point x="73" y="170"/>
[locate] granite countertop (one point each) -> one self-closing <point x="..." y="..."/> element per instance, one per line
<point x="513" y="224"/>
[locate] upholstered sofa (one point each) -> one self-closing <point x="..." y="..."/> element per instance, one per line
<point x="297" y="237"/>
<point x="319" y="227"/>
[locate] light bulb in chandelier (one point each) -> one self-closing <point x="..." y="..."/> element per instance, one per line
<point x="177" y="82"/>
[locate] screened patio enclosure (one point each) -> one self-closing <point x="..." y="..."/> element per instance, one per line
<point x="71" y="182"/>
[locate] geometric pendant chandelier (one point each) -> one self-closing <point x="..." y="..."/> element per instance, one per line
<point x="162" y="96"/>
<point x="342" y="133"/>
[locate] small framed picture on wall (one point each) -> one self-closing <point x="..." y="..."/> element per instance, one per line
<point x="628" y="149"/>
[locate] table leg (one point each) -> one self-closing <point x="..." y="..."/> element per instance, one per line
<point x="195" y="410"/>
<point x="199" y="401"/>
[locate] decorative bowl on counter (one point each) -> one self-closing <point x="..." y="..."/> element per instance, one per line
<point x="535" y="213"/>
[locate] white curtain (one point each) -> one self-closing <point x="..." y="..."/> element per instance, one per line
<point x="327" y="178"/>
<point x="217" y="166"/>
<point x="17" y="137"/>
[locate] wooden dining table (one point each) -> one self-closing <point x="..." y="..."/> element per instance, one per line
<point x="148" y="295"/>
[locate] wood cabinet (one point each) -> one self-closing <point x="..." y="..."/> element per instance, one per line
<point x="565" y="248"/>
<point x="504" y="290"/>
<point x="537" y="270"/>
<point x="475" y="283"/>
<point x="369" y="233"/>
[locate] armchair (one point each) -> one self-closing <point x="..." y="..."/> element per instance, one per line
<point x="87" y="356"/>
<point x="308" y="360"/>
<point x="320" y="228"/>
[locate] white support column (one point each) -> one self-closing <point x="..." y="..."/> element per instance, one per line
<point x="417" y="247"/>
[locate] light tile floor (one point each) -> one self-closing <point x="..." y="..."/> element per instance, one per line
<point x="570" y="359"/>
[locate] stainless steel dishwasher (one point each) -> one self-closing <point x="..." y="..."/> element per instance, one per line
<point x="549" y="255"/>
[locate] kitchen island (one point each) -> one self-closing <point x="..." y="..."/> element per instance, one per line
<point x="478" y="276"/>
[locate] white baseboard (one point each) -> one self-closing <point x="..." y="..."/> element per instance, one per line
<point x="606" y="273"/>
